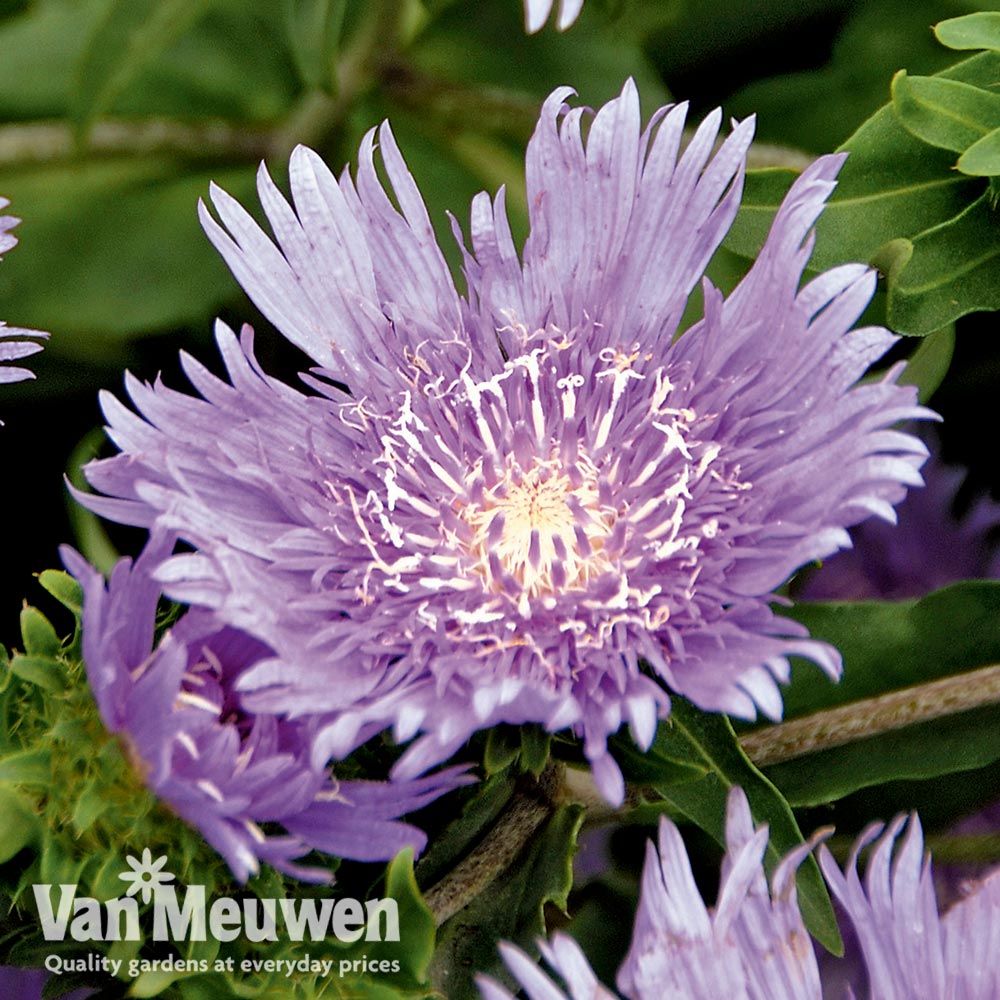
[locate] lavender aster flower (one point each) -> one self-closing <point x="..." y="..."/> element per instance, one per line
<point x="535" y="505"/>
<point x="753" y="945"/>
<point x="220" y="770"/>
<point x="13" y="342"/>
<point x="536" y="13"/>
<point x="910" y="951"/>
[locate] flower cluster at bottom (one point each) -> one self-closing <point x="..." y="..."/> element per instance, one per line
<point x="753" y="944"/>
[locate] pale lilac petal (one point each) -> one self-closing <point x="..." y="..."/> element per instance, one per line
<point x="536" y="13"/>
<point x="15" y="342"/>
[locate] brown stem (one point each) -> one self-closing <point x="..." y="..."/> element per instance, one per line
<point x="528" y="809"/>
<point x="873" y="716"/>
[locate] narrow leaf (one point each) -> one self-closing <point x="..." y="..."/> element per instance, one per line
<point x="314" y="29"/>
<point x="982" y="159"/>
<point x="42" y="671"/>
<point x="19" y="824"/>
<point x="946" y="113"/>
<point x="132" y="35"/>
<point x="973" y="31"/>
<point x="38" y="635"/>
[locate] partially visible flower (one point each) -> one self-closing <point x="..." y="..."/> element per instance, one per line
<point x="223" y="771"/>
<point x="910" y="951"/>
<point x="18" y="983"/>
<point x="926" y="549"/>
<point x="535" y="505"/>
<point x="536" y="13"/>
<point x="753" y="945"/>
<point x="15" y="343"/>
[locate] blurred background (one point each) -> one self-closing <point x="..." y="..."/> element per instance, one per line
<point x="116" y="114"/>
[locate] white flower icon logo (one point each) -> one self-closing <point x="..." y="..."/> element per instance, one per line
<point x="146" y="876"/>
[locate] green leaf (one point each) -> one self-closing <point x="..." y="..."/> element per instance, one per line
<point x="930" y="362"/>
<point x="887" y="646"/>
<point x="527" y="744"/>
<point x="663" y="764"/>
<point x="131" y="35"/>
<point x="89" y="807"/>
<point x="897" y="194"/>
<point x="86" y="265"/>
<point x="982" y="158"/>
<point x="945" y="113"/>
<point x="42" y="671"/>
<point x="39" y="637"/>
<point x="954" y="269"/>
<point x="503" y="747"/>
<point x="314" y="29"/>
<point x="415" y="948"/>
<point x="30" y="767"/>
<point x="708" y="738"/>
<point x="816" y="108"/>
<point x="973" y="31"/>
<point x="20" y="825"/>
<point x="63" y="588"/>
<point x="511" y="909"/>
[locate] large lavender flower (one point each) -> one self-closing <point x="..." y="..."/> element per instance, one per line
<point x="534" y="488"/>
<point x="753" y="945"/>
<point x="220" y="770"/>
<point x="14" y="342"/>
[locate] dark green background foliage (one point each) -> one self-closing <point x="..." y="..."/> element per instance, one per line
<point x="116" y="114"/>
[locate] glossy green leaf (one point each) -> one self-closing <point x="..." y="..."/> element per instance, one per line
<point x="972" y="31"/>
<point x="664" y="763"/>
<point x="951" y="270"/>
<point x="982" y="158"/>
<point x="708" y="739"/>
<point x="511" y="909"/>
<point x="887" y="646"/>
<point x="899" y="203"/>
<point x="131" y="35"/>
<point x="818" y="107"/>
<point x="946" y="113"/>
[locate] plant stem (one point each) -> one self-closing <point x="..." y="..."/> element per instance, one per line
<point x="873" y="716"/>
<point x="53" y="141"/>
<point x="528" y="809"/>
